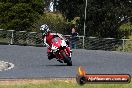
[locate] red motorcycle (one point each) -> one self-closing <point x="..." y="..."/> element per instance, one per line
<point x="58" y="48"/>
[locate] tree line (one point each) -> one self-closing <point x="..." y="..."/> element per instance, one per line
<point x="105" y="18"/>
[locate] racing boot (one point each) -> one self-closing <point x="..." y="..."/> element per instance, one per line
<point x="50" y="55"/>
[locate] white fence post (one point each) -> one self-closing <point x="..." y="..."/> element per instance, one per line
<point x="12" y="36"/>
<point x="83" y="41"/>
<point x="123" y="45"/>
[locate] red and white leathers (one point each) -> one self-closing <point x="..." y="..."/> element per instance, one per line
<point x="48" y="41"/>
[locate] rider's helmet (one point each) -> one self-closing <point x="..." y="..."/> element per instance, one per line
<point x="44" y="29"/>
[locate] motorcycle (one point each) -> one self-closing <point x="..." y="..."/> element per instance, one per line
<point x="58" y="48"/>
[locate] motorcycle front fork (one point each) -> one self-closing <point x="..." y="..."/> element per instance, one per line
<point x="68" y="53"/>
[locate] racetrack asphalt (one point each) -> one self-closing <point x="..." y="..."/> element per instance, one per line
<point x="32" y="62"/>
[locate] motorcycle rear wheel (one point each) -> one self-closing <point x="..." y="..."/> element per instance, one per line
<point x="67" y="59"/>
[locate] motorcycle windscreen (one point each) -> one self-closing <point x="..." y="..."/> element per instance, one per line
<point x="56" y="42"/>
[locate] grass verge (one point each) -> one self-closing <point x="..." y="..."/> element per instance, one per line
<point x="56" y="84"/>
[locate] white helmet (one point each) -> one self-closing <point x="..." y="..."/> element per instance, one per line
<point x="44" y="28"/>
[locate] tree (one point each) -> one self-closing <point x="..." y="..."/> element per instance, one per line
<point x="125" y="30"/>
<point x="70" y="8"/>
<point x="55" y="21"/>
<point x="104" y="17"/>
<point x="47" y="3"/>
<point x="19" y="14"/>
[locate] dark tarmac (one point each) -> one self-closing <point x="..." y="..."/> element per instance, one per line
<point x="32" y="62"/>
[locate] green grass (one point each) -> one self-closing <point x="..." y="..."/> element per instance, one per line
<point x="127" y="46"/>
<point x="5" y="40"/>
<point x="56" y="84"/>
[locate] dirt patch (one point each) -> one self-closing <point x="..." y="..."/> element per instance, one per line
<point x="33" y="81"/>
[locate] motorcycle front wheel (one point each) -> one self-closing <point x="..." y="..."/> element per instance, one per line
<point x="67" y="59"/>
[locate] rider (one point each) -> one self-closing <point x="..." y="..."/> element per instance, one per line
<point x="47" y="36"/>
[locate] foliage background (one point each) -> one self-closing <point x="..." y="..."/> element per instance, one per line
<point x="105" y="18"/>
